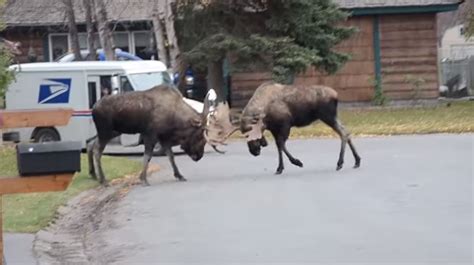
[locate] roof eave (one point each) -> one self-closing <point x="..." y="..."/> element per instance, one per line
<point x="58" y="24"/>
<point x="403" y="9"/>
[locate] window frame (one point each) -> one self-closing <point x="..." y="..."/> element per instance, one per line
<point x="129" y="41"/>
<point x="50" y="43"/>
<point x="133" y="38"/>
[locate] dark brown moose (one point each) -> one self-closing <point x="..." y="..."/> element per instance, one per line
<point x="159" y="115"/>
<point x="277" y="108"/>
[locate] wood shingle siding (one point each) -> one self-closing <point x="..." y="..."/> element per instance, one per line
<point x="243" y="86"/>
<point x="409" y="51"/>
<point x="353" y="82"/>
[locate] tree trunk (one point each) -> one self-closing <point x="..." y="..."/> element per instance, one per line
<point x="105" y="33"/>
<point x="171" y="34"/>
<point x="181" y="67"/>
<point x="215" y="74"/>
<point x="158" y="9"/>
<point x="73" y="29"/>
<point x="88" y="4"/>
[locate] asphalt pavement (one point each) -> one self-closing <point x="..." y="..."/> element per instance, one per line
<point x="411" y="202"/>
<point x="18" y="249"/>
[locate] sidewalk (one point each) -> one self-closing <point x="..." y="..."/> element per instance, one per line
<point x="18" y="249"/>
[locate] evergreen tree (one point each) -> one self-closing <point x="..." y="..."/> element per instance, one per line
<point x="470" y="25"/>
<point x="5" y="75"/>
<point x="284" y="36"/>
<point x="5" y="60"/>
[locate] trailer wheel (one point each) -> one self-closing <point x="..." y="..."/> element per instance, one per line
<point x="46" y="135"/>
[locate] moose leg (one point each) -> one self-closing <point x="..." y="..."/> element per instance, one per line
<point x="279" y="143"/>
<point x="346" y="135"/>
<point x="292" y="159"/>
<point x="90" y="157"/>
<point x="339" y="129"/>
<point x="176" y="172"/>
<point x="98" y="146"/>
<point x="281" y="136"/>
<point x="97" y="150"/>
<point x="354" y="153"/>
<point x="149" y="143"/>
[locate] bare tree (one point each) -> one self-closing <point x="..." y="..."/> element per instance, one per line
<point x="72" y="29"/>
<point x="105" y="33"/>
<point x="171" y="33"/>
<point x="88" y="4"/>
<point x="216" y="77"/>
<point x="158" y="11"/>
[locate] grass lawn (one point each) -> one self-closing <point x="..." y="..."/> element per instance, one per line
<point x="458" y="118"/>
<point x="31" y="212"/>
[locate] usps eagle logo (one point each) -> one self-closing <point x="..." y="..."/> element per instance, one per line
<point x="54" y="91"/>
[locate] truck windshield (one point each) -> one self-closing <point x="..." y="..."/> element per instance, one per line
<point x="144" y="81"/>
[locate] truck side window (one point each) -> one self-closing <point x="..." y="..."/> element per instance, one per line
<point x="92" y="94"/>
<point x="125" y="84"/>
<point x="105" y="85"/>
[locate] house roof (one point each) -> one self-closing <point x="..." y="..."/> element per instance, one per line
<point x="51" y="12"/>
<point x="350" y="4"/>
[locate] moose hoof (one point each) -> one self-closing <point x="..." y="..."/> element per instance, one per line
<point x="104" y="184"/>
<point x="339" y="166"/>
<point x="181" y="178"/>
<point x="297" y="162"/>
<point x="145" y="183"/>
<point x="357" y="164"/>
<point x="279" y="171"/>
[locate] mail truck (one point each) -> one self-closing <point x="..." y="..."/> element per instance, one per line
<point x="77" y="85"/>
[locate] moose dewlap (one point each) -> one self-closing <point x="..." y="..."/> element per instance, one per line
<point x="48" y="158"/>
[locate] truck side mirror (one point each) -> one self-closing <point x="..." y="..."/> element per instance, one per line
<point x="115" y="82"/>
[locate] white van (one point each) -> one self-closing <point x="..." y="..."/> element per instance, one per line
<point x="78" y="85"/>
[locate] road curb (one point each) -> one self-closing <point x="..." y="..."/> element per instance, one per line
<point x="63" y="241"/>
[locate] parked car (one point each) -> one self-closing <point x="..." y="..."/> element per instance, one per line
<point x="121" y="56"/>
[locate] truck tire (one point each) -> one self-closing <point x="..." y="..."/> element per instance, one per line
<point x="46" y="135"/>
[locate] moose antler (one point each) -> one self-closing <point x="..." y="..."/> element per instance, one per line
<point x="219" y="126"/>
<point x="256" y="130"/>
<point x="254" y="126"/>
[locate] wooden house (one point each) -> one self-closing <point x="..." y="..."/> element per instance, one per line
<point x="41" y="27"/>
<point x="396" y="45"/>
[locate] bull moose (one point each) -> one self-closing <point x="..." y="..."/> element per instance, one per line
<point x="277" y="108"/>
<point x="159" y="115"/>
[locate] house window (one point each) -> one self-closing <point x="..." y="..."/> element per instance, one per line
<point x="83" y="42"/>
<point x="143" y="45"/>
<point x="58" y="45"/>
<point x="121" y="41"/>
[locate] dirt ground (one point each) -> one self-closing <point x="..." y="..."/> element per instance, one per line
<point x="72" y="237"/>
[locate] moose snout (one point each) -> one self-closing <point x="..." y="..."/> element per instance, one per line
<point x="254" y="147"/>
<point x="196" y="157"/>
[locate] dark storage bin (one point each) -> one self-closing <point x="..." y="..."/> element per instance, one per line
<point x="48" y="158"/>
<point x="11" y="137"/>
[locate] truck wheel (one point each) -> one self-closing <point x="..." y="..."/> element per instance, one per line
<point x="46" y="135"/>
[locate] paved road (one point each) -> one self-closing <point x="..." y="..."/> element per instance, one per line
<point x="18" y="249"/>
<point x="411" y="201"/>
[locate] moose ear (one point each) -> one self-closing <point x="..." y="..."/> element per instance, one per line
<point x="196" y="122"/>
